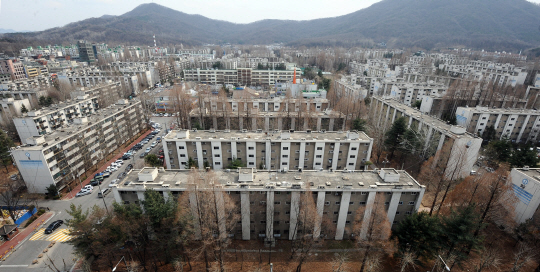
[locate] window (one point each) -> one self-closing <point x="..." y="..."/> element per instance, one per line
<point x="411" y="202"/>
<point x="337" y="202"/>
<point x="349" y="212"/>
<point x="276" y="222"/>
<point x="288" y="202"/>
<point x="251" y="156"/>
<point x="350" y="203"/>
<point x="285" y="148"/>
<point x="217" y="163"/>
<point x="319" y="148"/>
<point x="362" y="203"/>
<point x="251" y="163"/>
<point x="263" y="221"/>
<point x="277" y="202"/>
<point x="400" y="203"/>
<point x="408" y="213"/>
<point x="347" y="222"/>
<point x="318" y="156"/>
<point x="284" y="163"/>
<point x="228" y="151"/>
<point x="327" y="203"/>
<point x="397" y="213"/>
<point x="352" y="156"/>
<point x="317" y="163"/>
<point x="353" y="148"/>
<point x="285" y="156"/>
<point x="413" y="193"/>
<point x="387" y="203"/>
<point x="335" y="222"/>
<point x="216" y="147"/>
<point x="351" y="164"/>
<point x="252" y="202"/>
<point x="336" y="212"/>
<point x="182" y="155"/>
<point x="364" y="193"/>
<point x="217" y="155"/>
<point x="251" y="148"/>
<point x="181" y="147"/>
<point x="287" y="212"/>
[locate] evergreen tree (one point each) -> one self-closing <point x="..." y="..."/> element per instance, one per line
<point x="393" y="136"/>
<point x="5" y="145"/>
<point x="24" y="109"/>
<point x="359" y="124"/>
<point x="489" y="134"/>
<point x="458" y="233"/>
<point x="524" y="156"/>
<point x="419" y="233"/>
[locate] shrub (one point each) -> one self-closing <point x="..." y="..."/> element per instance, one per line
<point x="30" y="220"/>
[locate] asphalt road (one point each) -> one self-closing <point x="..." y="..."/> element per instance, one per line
<point x="61" y="254"/>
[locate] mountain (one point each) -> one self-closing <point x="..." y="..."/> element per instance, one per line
<point x="3" y="30"/>
<point x="483" y="24"/>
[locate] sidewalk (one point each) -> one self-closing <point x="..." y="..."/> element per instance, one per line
<point x="25" y="233"/>
<point x="87" y="180"/>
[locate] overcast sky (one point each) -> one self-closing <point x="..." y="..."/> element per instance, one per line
<point x="43" y="14"/>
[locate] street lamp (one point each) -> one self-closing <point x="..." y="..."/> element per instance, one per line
<point x="114" y="269"/>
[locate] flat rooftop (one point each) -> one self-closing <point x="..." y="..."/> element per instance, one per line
<point x="73" y="129"/>
<point x="501" y="110"/>
<point x="533" y="173"/>
<point x="275" y="135"/>
<point x="436" y="123"/>
<point x="310" y="179"/>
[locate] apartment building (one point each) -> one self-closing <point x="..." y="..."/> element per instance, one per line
<point x="27" y="84"/>
<point x="409" y="93"/>
<point x="269" y="202"/>
<point x="526" y="185"/>
<point x="94" y="77"/>
<point x="464" y="145"/>
<point x="62" y="155"/>
<point x="497" y="73"/>
<point x="11" y="108"/>
<point x="86" y="52"/>
<point x="517" y="125"/>
<point x="240" y="76"/>
<point x="13" y="67"/>
<point x="48" y="119"/>
<point x="271" y="150"/>
<point x="437" y="106"/>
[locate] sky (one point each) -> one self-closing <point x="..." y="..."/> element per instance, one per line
<point x="34" y="15"/>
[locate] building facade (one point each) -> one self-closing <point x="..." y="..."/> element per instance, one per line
<point x="525" y="185"/>
<point x="86" y="52"/>
<point x="269" y="202"/>
<point x="61" y="156"/>
<point x="437" y="133"/>
<point x="272" y="150"/>
<point x="517" y="125"/>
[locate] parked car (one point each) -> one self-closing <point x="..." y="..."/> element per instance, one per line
<point x="153" y="144"/>
<point x="143" y="155"/>
<point x="161" y="152"/>
<point x="83" y="192"/>
<point x="113" y="182"/>
<point x="126" y="157"/>
<point x="121" y="175"/>
<point x="104" y="192"/>
<point x="95" y="182"/>
<point x="161" y="157"/>
<point x="119" y="162"/>
<point x="88" y="187"/>
<point x="53" y="226"/>
<point x="148" y="149"/>
<point x="129" y="167"/>
<point x="106" y="174"/>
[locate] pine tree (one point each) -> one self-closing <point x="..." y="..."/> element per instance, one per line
<point x="393" y="136"/>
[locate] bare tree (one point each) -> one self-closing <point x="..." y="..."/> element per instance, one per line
<point x="338" y="262"/>
<point x="522" y="256"/>
<point x="372" y="231"/>
<point x="214" y="217"/>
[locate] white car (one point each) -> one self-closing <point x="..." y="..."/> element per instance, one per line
<point x="113" y="182"/>
<point x="153" y="144"/>
<point x="113" y="168"/>
<point x="84" y="192"/>
<point x="166" y="115"/>
<point x="148" y="149"/>
<point x="120" y="162"/>
<point x="88" y="187"/>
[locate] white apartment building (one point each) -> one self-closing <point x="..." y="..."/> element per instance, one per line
<point x="62" y="155"/>
<point x="465" y="146"/>
<point x="272" y="150"/>
<point x="517" y="125"/>
<point x="46" y="120"/>
<point x="525" y="184"/>
<point x="269" y="202"/>
<point x="501" y="74"/>
<point x="241" y="76"/>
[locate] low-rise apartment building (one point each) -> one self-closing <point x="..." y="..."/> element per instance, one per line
<point x="13" y="67"/>
<point x="517" y="125"/>
<point x="269" y="202"/>
<point x="240" y="76"/>
<point x="61" y="156"/>
<point x="269" y="150"/>
<point x="464" y="146"/>
<point x="525" y="184"/>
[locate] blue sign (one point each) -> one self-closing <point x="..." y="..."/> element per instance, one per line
<point x="525" y="181"/>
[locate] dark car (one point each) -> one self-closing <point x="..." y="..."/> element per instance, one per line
<point x="96" y="181"/>
<point x="121" y="175"/>
<point x="53" y="226"/>
<point x="129" y="167"/>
